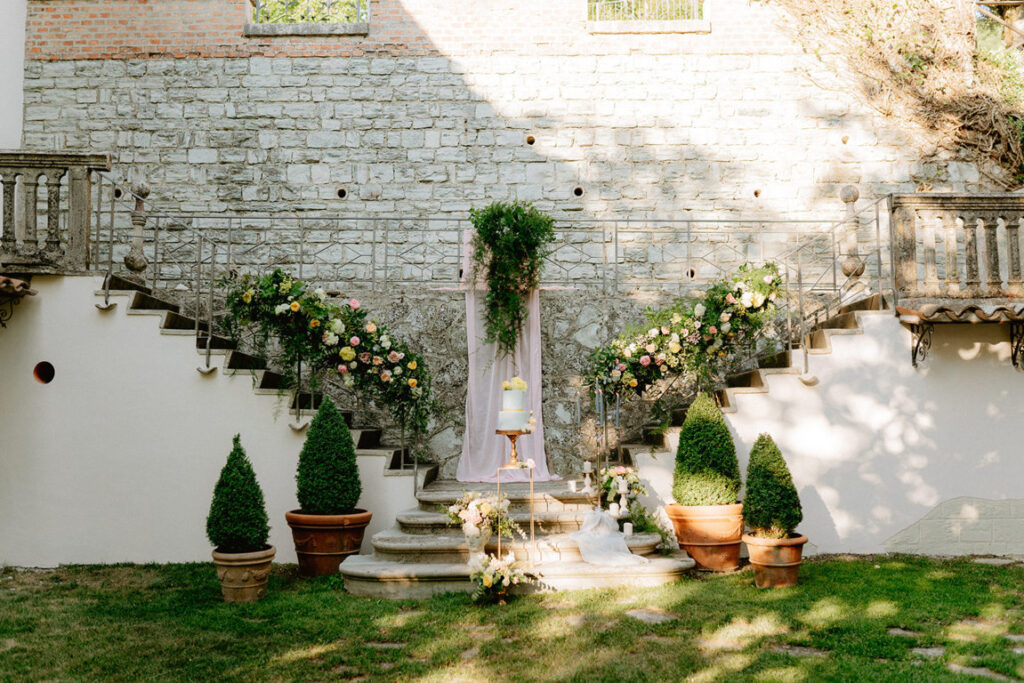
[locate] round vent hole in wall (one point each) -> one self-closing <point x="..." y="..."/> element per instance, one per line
<point x="118" y="193"/>
<point x="577" y="191"/>
<point x="44" y="372"/>
<point x="342" y="193"/>
<point x="530" y="139"/>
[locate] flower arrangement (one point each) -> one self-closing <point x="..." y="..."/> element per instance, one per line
<point x="611" y="478"/>
<point x="494" y="576"/>
<point x="516" y="383"/>
<point x="693" y="336"/>
<point x="340" y="339"/>
<point x="510" y="244"/>
<point x="481" y="515"/>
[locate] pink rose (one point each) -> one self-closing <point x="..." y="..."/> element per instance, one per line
<point x="771" y="297"/>
<point x="622" y="366"/>
<point x="364" y="357"/>
<point x="354" y="341"/>
<point x="353" y="304"/>
<point x="730" y="299"/>
<point x="394" y="357"/>
<point x="620" y="470"/>
<point x="713" y="330"/>
<point x="645" y="361"/>
<point x="342" y="369"/>
<point x="664" y="329"/>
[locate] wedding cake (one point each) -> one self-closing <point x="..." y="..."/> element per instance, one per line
<point x="513" y="416"/>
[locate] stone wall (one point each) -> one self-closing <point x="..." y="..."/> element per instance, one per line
<point x="435" y="110"/>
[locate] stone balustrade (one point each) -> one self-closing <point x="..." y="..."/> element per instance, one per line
<point x="56" y="239"/>
<point x="957" y="246"/>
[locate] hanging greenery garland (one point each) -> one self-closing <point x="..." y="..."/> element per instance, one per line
<point x="511" y="242"/>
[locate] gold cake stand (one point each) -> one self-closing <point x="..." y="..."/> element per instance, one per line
<point x="514" y="464"/>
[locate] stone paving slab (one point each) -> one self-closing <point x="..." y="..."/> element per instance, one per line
<point x="651" y="615"/>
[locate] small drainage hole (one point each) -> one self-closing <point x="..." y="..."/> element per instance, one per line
<point x="757" y="193"/>
<point x="342" y="193"/>
<point x="530" y="139"/>
<point x="691" y="273"/>
<point x="578" y="191"/>
<point x="44" y="372"/>
<point x="118" y="193"/>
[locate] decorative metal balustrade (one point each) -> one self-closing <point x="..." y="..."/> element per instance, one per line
<point x="46" y="202"/>
<point x="643" y="10"/>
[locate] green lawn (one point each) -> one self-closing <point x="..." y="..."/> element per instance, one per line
<point x="168" y="623"/>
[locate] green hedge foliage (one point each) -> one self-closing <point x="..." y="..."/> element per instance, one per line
<point x="237" y="522"/>
<point x="772" y="506"/>
<point x="328" y="477"/>
<point x="707" y="472"/>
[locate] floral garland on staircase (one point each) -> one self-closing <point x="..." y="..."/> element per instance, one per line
<point x="694" y="336"/>
<point x="340" y="339"/>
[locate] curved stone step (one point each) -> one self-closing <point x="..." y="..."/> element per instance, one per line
<point x="420" y="522"/>
<point x="547" y="496"/>
<point x="395" y="546"/>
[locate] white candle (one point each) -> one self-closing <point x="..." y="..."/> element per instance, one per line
<point x="587" y="467"/>
<point x="572" y="486"/>
<point x="627" y="529"/>
<point x="623" y="486"/>
<point x="614" y="509"/>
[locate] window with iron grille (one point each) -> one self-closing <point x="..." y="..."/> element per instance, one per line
<point x="308" y="17"/>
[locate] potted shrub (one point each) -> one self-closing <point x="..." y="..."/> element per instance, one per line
<point x="327" y="527"/>
<point x="237" y="528"/>
<point x="772" y="511"/>
<point x="708" y="520"/>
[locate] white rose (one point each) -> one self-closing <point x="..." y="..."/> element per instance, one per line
<point x="758" y="299"/>
<point x="653" y="332"/>
<point x="726" y="327"/>
<point x="747" y="299"/>
<point x="337" y="326"/>
<point x="470" y="530"/>
<point x="699" y="310"/>
<point x="724" y="318"/>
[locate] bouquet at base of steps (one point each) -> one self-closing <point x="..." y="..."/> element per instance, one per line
<point x="494" y="577"/>
<point x="480" y="516"/>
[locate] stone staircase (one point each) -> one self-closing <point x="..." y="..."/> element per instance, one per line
<point x="141" y="300"/>
<point x="422" y="556"/>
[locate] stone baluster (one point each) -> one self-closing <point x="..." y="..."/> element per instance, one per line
<point x="994" y="277"/>
<point x="7" y="236"/>
<point x="950" y="228"/>
<point x="1014" y="281"/>
<point x="931" y="276"/>
<point x="30" y="196"/>
<point x="971" y="254"/>
<point x="135" y="259"/>
<point x="53" y="177"/>
<point x="853" y="266"/>
<point x="905" y="248"/>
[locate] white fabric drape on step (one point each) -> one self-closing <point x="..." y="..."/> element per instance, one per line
<point x="483" y="451"/>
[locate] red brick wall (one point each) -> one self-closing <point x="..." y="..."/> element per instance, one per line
<point x="122" y="29"/>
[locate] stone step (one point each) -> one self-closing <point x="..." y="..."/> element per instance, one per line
<point x="394" y="545"/>
<point x="370" y="576"/>
<point x="547" y="496"/>
<point x="421" y="522"/>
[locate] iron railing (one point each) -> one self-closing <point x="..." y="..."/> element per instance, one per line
<point x="643" y="10"/>
<point x="310" y="11"/>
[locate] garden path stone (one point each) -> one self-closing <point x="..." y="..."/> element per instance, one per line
<point x="977" y="671"/>
<point x="575" y="620"/>
<point x="1015" y="637"/>
<point x="799" y="651"/>
<point x="714" y="644"/>
<point x="896" y="631"/>
<point x="929" y="652"/>
<point x="995" y="561"/>
<point x="471" y="653"/>
<point x="1018" y="650"/>
<point x="8" y="644"/>
<point x="651" y="615"/>
<point x="379" y="645"/>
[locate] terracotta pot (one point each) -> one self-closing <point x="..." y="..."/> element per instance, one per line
<point x="322" y="542"/>
<point x="776" y="561"/>
<point x="709" y="533"/>
<point x="243" y="576"/>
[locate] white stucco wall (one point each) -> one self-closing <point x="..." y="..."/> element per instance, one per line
<point x="12" y="71"/>
<point x="116" y="459"/>
<point x="889" y="458"/>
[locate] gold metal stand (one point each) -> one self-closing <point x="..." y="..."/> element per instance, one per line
<point x="514" y="464"/>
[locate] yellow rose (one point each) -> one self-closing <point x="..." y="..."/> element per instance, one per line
<point x="247" y="297"/>
<point x="347" y="353"/>
<point x="674" y="347"/>
<point x="314" y="323"/>
<point x="488" y="581"/>
<point x="413" y="382"/>
<point x="295" y="306"/>
<point x="411" y="365"/>
<point x="632" y="382"/>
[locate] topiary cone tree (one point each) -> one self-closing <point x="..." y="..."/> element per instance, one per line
<point x="237" y="522"/>
<point x="707" y="472"/>
<point x="328" y="476"/>
<point x="772" y="506"/>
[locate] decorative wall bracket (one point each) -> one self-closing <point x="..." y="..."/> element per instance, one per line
<point x="920" y="341"/>
<point x="7" y="304"/>
<point x="1017" y="344"/>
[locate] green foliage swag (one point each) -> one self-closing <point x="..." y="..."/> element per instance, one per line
<point x="237" y="522"/>
<point x="771" y="508"/>
<point x="707" y="472"/>
<point x="327" y="476"/>
<point x="696" y="337"/>
<point x="511" y="242"/>
<point x="337" y="339"/>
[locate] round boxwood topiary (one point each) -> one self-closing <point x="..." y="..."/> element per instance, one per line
<point x="707" y="472"/>
<point x="237" y="522"/>
<point x="328" y="477"/>
<point x="772" y="506"/>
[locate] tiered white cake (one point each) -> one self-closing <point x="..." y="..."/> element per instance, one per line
<point x="513" y="416"/>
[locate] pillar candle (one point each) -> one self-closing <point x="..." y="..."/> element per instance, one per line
<point x="627" y="529"/>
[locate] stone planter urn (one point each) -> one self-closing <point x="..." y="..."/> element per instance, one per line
<point x="322" y="542"/>
<point x="776" y="561"/>
<point x="711" y="534"/>
<point x="243" y="576"/>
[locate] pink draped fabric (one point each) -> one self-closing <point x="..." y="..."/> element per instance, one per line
<point x="483" y="451"/>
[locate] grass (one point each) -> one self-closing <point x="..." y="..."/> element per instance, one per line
<point x="148" y="622"/>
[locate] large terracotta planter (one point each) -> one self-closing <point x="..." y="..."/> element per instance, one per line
<point x="243" y="576"/>
<point x="776" y="561"/>
<point x="322" y="542"/>
<point x="709" y="533"/>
